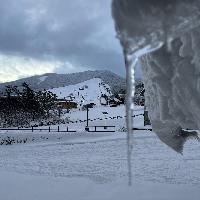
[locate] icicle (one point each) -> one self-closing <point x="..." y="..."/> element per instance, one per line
<point x="130" y="62"/>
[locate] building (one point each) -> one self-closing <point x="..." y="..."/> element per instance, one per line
<point x="66" y="104"/>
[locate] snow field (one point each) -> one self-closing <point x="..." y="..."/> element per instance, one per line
<point x="86" y="166"/>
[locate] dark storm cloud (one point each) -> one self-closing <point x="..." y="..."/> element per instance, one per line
<point x="77" y="31"/>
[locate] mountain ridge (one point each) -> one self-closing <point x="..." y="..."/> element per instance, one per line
<point x="53" y="80"/>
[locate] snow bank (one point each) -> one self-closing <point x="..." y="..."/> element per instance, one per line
<point x="171" y="74"/>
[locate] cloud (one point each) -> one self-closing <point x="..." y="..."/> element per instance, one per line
<point x="14" y="67"/>
<point x="79" y="33"/>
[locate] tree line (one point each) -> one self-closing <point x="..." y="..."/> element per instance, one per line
<point x="21" y="106"/>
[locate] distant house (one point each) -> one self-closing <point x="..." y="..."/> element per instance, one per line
<point x="114" y="102"/>
<point x="104" y="100"/>
<point x="66" y="104"/>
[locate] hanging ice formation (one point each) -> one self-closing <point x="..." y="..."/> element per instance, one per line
<point x="165" y="36"/>
<point x="130" y="63"/>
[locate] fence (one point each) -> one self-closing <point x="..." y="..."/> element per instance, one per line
<point x="106" y="118"/>
<point x="142" y="129"/>
<point x="99" y="128"/>
<point x="87" y="128"/>
<point x="32" y="129"/>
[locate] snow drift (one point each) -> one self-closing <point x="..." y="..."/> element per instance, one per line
<point x="171" y="73"/>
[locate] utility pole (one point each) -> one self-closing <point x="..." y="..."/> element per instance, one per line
<point x="87" y="116"/>
<point x="87" y="128"/>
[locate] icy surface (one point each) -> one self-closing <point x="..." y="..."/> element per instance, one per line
<point x="170" y="73"/>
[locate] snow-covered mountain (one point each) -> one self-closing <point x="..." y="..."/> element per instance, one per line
<point x="85" y="92"/>
<point x="53" y="80"/>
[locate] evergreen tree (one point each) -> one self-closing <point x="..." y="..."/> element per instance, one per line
<point x="21" y="107"/>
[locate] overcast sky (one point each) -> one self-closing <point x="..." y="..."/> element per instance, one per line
<point x="62" y="36"/>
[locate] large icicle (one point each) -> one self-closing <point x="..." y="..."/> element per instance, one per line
<point x="130" y="63"/>
<point x="131" y="60"/>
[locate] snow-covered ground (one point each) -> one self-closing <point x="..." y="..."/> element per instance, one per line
<point x="85" y="92"/>
<point x="42" y="79"/>
<point x="94" y="165"/>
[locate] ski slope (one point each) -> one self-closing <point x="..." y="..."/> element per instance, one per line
<point x="83" y="93"/>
